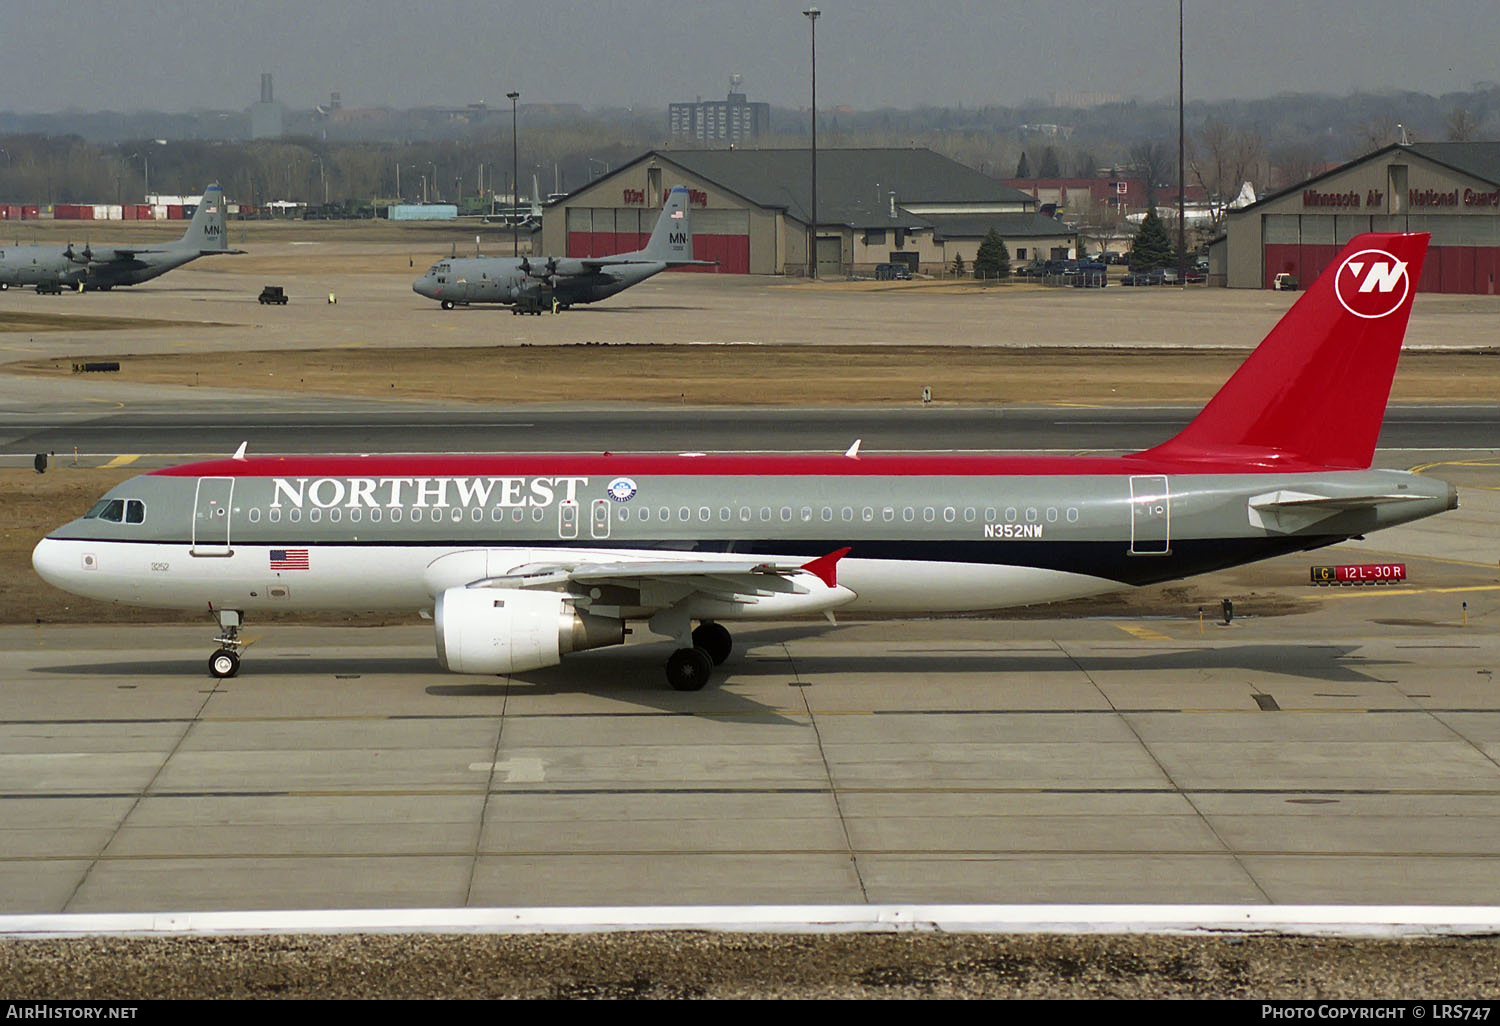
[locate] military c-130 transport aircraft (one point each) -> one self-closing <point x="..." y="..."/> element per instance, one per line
<point x="530" y="285"/>
<point x="101" y="268"/>
<point x="522" y="559"/>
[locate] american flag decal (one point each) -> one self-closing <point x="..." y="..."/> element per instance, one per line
<point x="677" y="215"/>
<point x="289" y="559"/>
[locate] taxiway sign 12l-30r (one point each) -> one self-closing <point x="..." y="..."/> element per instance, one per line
<point x="522" y="559"/>
<point x="101" y="268"/>
<point x="529" y="285"/>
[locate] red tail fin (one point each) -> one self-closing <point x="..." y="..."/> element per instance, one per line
<point x="1315" y="389"/>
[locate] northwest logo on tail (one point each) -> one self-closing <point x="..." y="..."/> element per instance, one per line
<point x="1371" y="284"/>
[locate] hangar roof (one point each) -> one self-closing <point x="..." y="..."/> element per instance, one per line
<point x="1479" y="159"/>
<point x="1012" y="226"/>
<point x="854" y="185"/>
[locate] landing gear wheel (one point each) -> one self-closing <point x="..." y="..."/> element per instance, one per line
<point x="447" y="304"/>
<point x="688" y="669"/>
<point x="224" y="663"/>
<point x="714" y="639"/>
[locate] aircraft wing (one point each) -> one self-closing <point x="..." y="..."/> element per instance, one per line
<point x="119" y="254"/>
<point x="664" y="581"/>
<point x="595" y="263"/>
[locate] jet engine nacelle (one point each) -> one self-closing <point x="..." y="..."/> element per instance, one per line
<point x="507" y="630"/>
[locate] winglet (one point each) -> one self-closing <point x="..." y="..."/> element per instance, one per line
<point x="825" y="568"/>
<point x="853" y="451"/>
<point x="239" y="453"/>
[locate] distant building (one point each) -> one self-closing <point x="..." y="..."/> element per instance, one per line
<point x="751" y="210"/>
<point x="1449" y="189"/>
<point x="1120" y="195"/>
<point x="267" y="117"/>
<point x="734" y="120"/>
<point x="1084" y="100"/>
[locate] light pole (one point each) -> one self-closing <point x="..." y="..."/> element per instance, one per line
<point x="515" y="181"/>
<point x="323" y="179"/>
<point x="146" y="171"/>
<point x="1181" y="163"/>
<point x="812" y="14"/>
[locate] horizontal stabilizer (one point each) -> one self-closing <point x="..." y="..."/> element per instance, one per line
<point x="1286" y="511"/>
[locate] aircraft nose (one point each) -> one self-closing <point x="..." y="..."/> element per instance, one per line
<point x="50" y="562"/>
<point x="422" y="287"/>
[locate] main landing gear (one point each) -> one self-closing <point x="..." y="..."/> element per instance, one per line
<point x="226" y="661"/>
<point x="688" y="669"/>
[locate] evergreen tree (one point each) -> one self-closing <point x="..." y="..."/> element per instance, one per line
<point x="1152" y="247"/>
<point x="1049" y="167"/>
<point x="959" y="270"/>
<point x="1023" y="169"/>
<point x="992" y="262"/>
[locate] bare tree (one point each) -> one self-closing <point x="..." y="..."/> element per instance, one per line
<point x="1460" y="125"/>
<point x="1156" y="162"/>
<point x="1296" y="162"/>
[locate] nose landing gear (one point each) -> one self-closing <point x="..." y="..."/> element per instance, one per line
<point x="226" y="661"/>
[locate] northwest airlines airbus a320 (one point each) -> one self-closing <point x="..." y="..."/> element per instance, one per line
<point x="522" y="559"/>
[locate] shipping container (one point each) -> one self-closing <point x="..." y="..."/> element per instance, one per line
<point x="159" y="212"/>
<point x="174" y="211"/>
<point x="116" y="212"/>
<point x="422" y="212"/>
<point x="30" y="213"/>
<point x="10" y="212"/>
<point x="101" y="211"/>
<point x="189" y="209"/>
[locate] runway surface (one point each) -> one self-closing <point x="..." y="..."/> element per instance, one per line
<point x="1347" y="755"/>
<point x="276" y="425"/>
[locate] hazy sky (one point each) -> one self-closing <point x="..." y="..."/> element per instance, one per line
<point x="179" y="55"/>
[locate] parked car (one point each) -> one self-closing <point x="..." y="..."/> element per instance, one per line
<point x="1284" y="282"/>
<point x="892" y="272"/>
<point x="1088" y="275"/>
<point x="1152" y="277"/>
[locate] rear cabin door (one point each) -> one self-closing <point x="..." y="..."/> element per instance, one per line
<point x="1150" y="516"/>
<point x="211" y="515"/>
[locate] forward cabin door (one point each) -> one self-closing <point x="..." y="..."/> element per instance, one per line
<point x="1150" y="516"/>
<point x="211" y="514"/>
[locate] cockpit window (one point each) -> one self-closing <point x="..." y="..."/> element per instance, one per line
<point x="118" y="511"/>
<point x="112" y="510"/>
